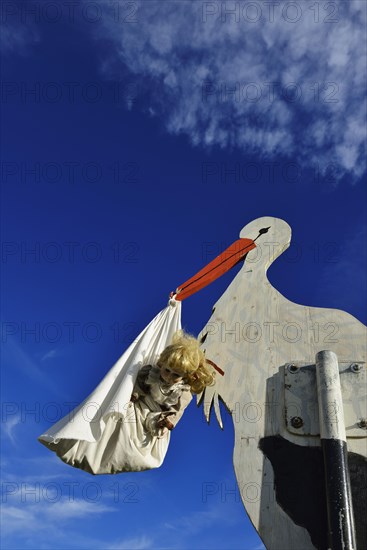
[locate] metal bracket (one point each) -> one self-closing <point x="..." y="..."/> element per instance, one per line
<point x="300" y="398"/>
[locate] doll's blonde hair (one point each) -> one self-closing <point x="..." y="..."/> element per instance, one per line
<point x="184" y="357"/>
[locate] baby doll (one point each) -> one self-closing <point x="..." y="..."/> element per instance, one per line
<point x="139" y="440"/>
<point x="166" y="388"/>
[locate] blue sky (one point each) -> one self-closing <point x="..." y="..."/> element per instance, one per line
<point x="152" y="136"/>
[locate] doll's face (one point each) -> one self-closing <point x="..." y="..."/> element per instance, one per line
<point x="169" y="376"/>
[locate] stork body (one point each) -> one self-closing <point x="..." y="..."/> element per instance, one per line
<point x="254" y="335"/>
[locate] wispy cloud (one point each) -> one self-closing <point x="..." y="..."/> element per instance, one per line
<point x="38" y="520"/>
<point x="49" y="355"/>
<point x="8" y="427"/>
<point x="203" y="525"/>
<point x="15" y="355"/>
<point x="134" y="543"/>
<point x="73" y="509"/>
<point x="271" y="82"/>
<point x="40" y="516"/>
<point x="199" y="521"/>
<point x="45" y="498"/>
<point x="66" y="517"/>
<point x="17" y="31"/>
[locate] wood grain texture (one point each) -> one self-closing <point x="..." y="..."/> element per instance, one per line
<point x="253" y="333"/>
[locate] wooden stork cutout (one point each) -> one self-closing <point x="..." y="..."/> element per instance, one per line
<point x="267" y="347"/>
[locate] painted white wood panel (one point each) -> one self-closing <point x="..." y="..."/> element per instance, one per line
<point x="253" y="332"/>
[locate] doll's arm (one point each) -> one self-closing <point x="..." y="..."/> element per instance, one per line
<point x="140" y="388"/>
<point x="171" y="420"/>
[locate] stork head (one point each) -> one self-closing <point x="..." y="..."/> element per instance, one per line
<point x="272" y="236"/>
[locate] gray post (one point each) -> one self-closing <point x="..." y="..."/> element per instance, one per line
<point x="335" y="453"/>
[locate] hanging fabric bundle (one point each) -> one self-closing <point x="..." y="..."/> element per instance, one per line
<point x="105" y="433"/>
<point x="110" y="432"/>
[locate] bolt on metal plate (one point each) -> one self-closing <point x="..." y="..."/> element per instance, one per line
<point x="300" y="398"/>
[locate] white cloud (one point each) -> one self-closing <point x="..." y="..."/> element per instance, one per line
<point x="16" y="36"/>
<point x="43" y="500"/>
<point x="174" y="47"/>
<point x="49" y="355"/>
<point x="15" y="355"/>
<point x="134" y="543"/>
<point x="64" y="518"/>
<point x="72" y="509"/>
<point x="198" y="521"/>
<point x="39" y="519"/>
<point x="45" y="516"/>
<point x="9" y="425"/>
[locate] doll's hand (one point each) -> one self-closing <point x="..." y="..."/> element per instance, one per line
<point x="134" y="397"/>
<point x="165" y="423"/>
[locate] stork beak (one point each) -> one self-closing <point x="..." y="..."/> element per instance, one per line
<point x="217" y="267"/>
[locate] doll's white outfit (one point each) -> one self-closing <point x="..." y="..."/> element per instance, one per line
<point x="133" y="442"/>
<point x="108" y="433"/>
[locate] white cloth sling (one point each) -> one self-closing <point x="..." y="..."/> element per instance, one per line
<point x="105" y="433"/>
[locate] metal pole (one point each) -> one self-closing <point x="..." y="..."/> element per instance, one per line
<point x="334" y="446"/>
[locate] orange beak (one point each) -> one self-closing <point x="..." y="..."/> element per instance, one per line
<point x="217" y="267"/>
